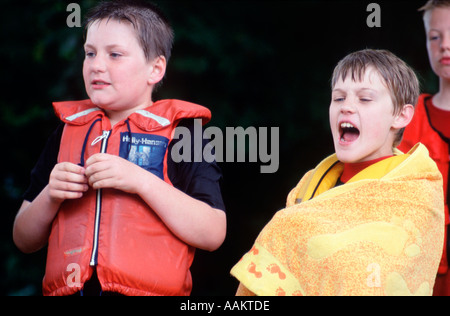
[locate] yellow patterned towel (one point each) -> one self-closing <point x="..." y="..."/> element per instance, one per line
<point x="379" y="234"/>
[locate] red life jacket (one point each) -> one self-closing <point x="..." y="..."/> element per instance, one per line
<point x="421" y="130"/>
<point x="111" y="231"/>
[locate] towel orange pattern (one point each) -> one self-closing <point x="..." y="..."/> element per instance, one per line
<point x="379" y="234"/>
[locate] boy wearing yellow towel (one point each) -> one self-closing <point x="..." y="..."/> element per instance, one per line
<point x="368" y="220"/>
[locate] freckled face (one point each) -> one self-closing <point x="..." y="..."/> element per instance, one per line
<point x="361" y="118"/>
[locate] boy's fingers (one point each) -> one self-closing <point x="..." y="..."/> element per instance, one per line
<point x="98" y="163"/>
<point x="73" y="187"/>
<point x="71" y="167"/>
<point x="66" y="195"/>
<point x="71" y="178"/>
<point x="96" y="158"/>
<point x="68" y="172"/>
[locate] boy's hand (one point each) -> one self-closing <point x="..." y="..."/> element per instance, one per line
<point x="110" y="171"/>
<point x="67" y="181"/>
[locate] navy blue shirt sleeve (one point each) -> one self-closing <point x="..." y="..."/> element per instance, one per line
<point x="40" y="174"/>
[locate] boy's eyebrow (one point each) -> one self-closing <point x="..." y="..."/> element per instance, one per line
<point x="368" y="89"/>
<point x="112" y="46"/>
<point x="361" y="89"/>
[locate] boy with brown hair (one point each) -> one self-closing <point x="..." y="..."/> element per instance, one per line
<point x="368" y="220"/>
<point x="431" y="122"/>
<point x="119" y="215"/>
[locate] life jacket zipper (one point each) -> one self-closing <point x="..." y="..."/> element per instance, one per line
<point x="98" y="206"/>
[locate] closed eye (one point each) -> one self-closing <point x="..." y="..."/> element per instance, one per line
<point x="434" y="37"/>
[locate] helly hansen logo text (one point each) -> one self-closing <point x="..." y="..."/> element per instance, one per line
<point x="143" y="141"/>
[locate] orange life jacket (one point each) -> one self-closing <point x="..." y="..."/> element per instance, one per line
<point x="111" y="231"/>
<point x="421" y="130"/>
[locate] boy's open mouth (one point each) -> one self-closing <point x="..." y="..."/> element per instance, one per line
<point x="348" y="133"/>
<point x="99" y="83"/>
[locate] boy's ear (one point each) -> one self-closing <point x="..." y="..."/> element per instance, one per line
<point x="157" y="70"/>
<point x="403" y="118"/>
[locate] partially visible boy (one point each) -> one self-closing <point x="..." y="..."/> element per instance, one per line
<point x="119" y="215"/>
<point x="367" y="220"/>
<point x="431" y="122"/>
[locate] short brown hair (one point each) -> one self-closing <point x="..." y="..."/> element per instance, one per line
<point x="399" y="78"/>
<point x="153" y="31"/>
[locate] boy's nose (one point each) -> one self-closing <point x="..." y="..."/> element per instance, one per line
<point x="445" y="43"/>
<point x="347" y="107"/>
<point x="97" y="64"/>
